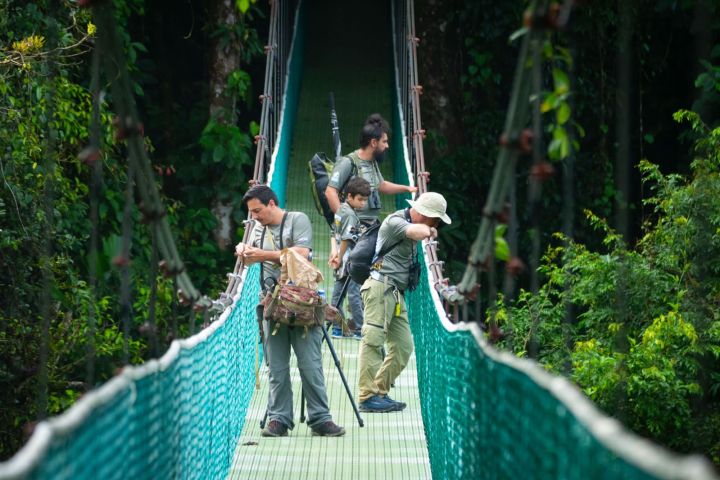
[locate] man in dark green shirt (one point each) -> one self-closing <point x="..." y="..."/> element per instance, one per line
<point x="383" y="295"/>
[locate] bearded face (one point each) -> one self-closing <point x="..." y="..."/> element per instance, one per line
<point x="379" y="156"/>
<point x="380" y="148"/>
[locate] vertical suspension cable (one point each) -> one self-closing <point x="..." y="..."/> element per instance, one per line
<point x="49" y="165"/>
<point x="94" y="159"/>
<point x="511" y="271"/>
<point x="535" y="189"/>
<point x="492" y="287"/>
<point x="123" y="262"/>
<point x="568" y="215"/>
<point x="622" y="182"/>
<point x="151" y="329"/>
<point x="173" y="316"/>
<point x="277" y="55"/>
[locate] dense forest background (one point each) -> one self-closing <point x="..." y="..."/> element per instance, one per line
<point x="627" y="301"/>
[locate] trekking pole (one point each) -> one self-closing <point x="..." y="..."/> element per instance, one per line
<point x="326" y="336"/>
<point x="342" y="376"/>
<point x="335" y="126"/>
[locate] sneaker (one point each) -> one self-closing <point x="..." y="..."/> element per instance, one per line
<point x="275" y="429"/>
<point x="378" y="404"/>
<point x="401" y="405"/>
<point x="336" y="332"/>
<point x="357" y="335"/>
<point x="328" y="429"/>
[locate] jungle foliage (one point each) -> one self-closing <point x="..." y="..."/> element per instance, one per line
<point x="627" y="311"/>
<point x="630" y="316"/>
<point x="45" y="195"/>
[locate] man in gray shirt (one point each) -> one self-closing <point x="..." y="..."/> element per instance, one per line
<point x="383" y="294"/>
<point x="365" y="163"/>
<point x="275" y="230"/>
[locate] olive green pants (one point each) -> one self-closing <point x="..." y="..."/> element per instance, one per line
<point x="386" y="321"/>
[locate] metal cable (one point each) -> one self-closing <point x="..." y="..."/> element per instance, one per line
<point x="129" y="128"/>
<point x="93" y="159"/>
<point x="46" y="255"/>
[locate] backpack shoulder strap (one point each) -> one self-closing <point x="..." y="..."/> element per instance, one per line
<point x="385" y="250"/>
<point x="262" y="244"/>
<point x="262" y="273"/>
<point x="354" y="169"/>
<point x="282" y="227"/>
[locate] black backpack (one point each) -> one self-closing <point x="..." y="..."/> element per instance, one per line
<point x="363" y="253"/>
<point x="320" y="167"/>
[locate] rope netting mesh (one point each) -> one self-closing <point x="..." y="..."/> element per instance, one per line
<point x="486" y="414"/>
<point x="489" y="414"/>
<point x="176" y="417"/>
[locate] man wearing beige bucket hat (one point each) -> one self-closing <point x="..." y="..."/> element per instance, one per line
<point x="383" y="295"/>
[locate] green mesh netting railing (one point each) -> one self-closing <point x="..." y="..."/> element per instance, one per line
<point x="176" y="417"/>
<point x="489" y="414"/>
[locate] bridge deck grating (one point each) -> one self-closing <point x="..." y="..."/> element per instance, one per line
<point x="389" y="446"/>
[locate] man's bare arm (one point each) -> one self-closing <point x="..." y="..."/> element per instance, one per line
<point x="418" y="231"/>
<point x="391" y="188"/>
<point x="333" y="198"/>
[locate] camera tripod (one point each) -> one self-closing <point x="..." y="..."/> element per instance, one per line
<point x="336" y="360"/>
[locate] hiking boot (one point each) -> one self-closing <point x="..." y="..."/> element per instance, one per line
<point x="401" y="405"/>
<point x="336" y="332"/>
<point x="378" y="404"/>
<point x="328" y="429"/>
<point x="275" y="429"/>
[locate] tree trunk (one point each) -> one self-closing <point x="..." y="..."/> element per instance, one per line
<point x="225" y="59"/>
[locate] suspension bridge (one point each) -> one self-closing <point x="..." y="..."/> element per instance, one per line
<point x="473" y="411"/>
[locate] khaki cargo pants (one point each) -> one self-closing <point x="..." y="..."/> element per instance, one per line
<point x="385" y="321"/>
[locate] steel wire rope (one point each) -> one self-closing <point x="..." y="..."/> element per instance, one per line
<point x="568" y="215"/>
<point x="122" y="261"/>
<point x="91" y="156"/>
<point x="48" y="204"/>
<point x="270" y="92"/>
<point x="535" y="190"/>
<point x="129" y="128"/>
<point x="513" y="139"/>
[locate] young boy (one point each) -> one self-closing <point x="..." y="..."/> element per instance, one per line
<point x="345" y="233"/>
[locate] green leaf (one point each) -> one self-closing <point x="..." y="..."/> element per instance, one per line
<point x="218" y="153"/>
<point x="554" y="149"/>
<point x="564" y="147"/>
<point x="562" y="85"/>
<point x="254" y="128"/>
<point x="548" y="103"/>
<point x="243" y="5"/>
<point x="649" y="138"/>
<point x="502" y="250"/>
<point x="563" y="113"/>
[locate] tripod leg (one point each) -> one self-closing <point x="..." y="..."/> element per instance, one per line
<point x="343" y="292"/>
<point x="341" y="297"/>
<point x="302" y="405"/>
<point x="342" y="375"/>
<point x="264" y="420"/>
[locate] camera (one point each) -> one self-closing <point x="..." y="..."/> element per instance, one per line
<point x="414" y="275"/>
<point x="269" y="284"/>
<point x="374" y="200"/>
